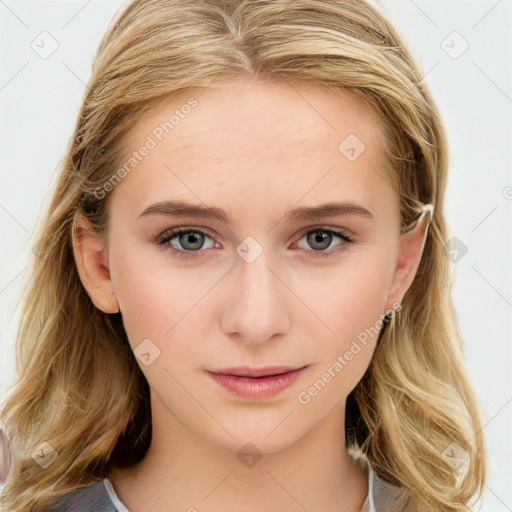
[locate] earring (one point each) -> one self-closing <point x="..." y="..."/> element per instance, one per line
<point x="389" y="316"/>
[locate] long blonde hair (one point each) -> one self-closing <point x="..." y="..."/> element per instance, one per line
<point x="79" y="388"/>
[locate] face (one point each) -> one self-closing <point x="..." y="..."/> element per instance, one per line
<point x="267" y="278"/>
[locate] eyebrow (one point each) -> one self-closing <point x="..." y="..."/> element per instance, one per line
<point x="180" y="208"/>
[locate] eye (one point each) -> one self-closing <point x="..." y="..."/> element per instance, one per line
<point x="184" y="242"/>
<point x="321" y="238"/>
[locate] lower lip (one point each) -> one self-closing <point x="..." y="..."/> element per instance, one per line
<point x="259" y="388"/>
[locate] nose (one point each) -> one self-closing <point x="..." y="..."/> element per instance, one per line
<point x="257" y="301"/>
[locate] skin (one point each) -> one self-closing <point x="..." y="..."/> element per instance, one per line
<point x="254" y="149"/>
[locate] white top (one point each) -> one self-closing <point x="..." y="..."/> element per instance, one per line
<point x="381" y="495"/>
<point x="113" y="496"/>
<point x="368" y="505"/>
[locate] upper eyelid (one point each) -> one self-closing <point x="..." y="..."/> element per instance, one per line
<point x="171" y="232"/>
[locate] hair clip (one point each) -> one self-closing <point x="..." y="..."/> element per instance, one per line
<point x="426" y="208"/>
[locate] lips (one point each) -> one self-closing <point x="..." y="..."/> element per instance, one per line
<point x="245" y="371"/>
<point x="257" y="383"/>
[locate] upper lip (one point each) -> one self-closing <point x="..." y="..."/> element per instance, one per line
<point x="246" y="371"/>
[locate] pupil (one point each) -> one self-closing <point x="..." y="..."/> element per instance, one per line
<point x="321" y="237"/>
<point x="189" y="238"/>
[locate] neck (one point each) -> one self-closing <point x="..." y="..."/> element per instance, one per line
<point x="182" y="472"/>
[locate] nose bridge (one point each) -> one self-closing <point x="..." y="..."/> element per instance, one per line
<point x="256" y="307"/>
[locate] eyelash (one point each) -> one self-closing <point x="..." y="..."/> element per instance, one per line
<point x="163" y="240"/>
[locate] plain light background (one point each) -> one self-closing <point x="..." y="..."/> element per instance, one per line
<point x="465" y="49"/>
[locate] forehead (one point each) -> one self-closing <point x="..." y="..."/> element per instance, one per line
<point x="275" y="139"/>
<point x="253" y="112"/>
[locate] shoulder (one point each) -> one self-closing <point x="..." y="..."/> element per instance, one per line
<point x="93" y="498"/>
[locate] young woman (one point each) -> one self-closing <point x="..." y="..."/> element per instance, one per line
<point x="240" y="297"/>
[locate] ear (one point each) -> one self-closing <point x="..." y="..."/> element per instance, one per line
<point x="90" y="251"/>
<point x="411" y="247"/>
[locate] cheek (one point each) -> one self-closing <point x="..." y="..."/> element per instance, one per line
<point x="350" y="299"/>
<point x="152" y="295"/>
<point x="161" y="301"/>
<point x="351" y="296"/>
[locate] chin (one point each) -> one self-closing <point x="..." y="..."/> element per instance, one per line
<point x="261" y="438"/>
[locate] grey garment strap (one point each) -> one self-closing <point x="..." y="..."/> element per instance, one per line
<point x="383" y="495"/>
<point x="93" y="498"/>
